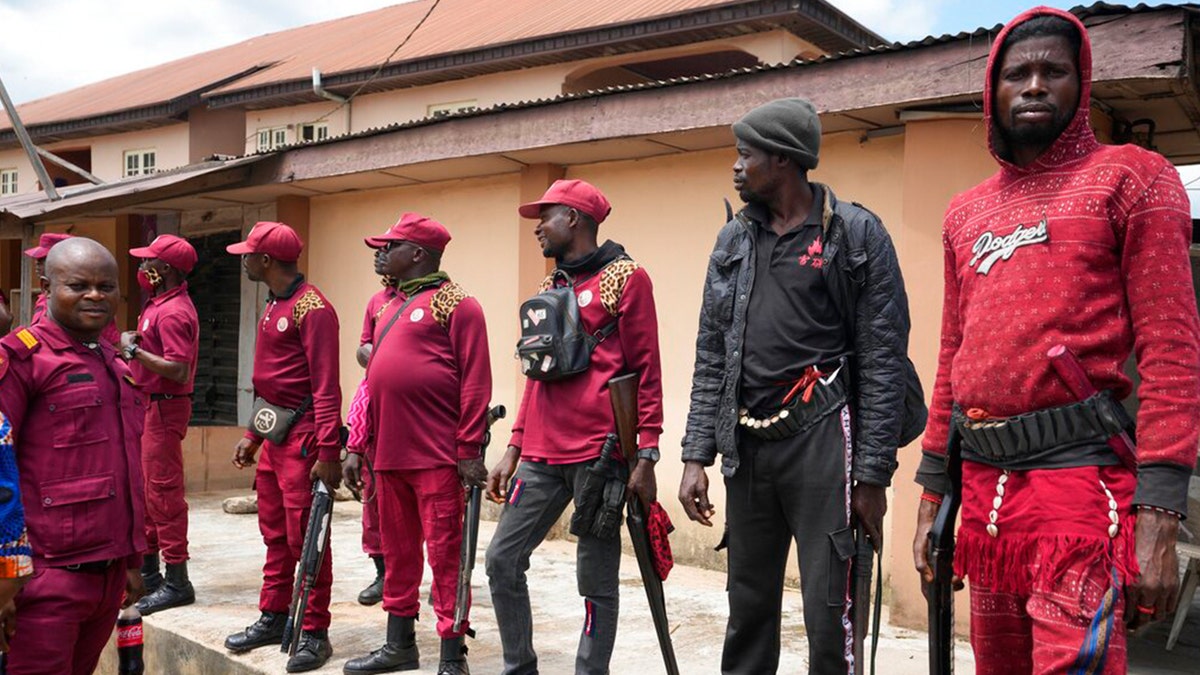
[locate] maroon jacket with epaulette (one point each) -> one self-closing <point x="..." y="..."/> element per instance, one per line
<point x="296" y="356"/>
<point x="77" y="425"/>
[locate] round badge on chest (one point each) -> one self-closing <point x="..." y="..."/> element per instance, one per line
<point x="282" y="324"/>
<point x="417" y="315"/>
<point x="585" y="298"/>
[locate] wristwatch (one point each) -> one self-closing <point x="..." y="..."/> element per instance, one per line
<point x="648" y="454"/>
<point x="130" y="351"/>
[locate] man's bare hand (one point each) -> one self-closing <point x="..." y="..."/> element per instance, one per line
<point x="330" y="473"/>
<point x="643" y="484"/>
<point x="8" y="609"/>
<point x="693" y="494"/>
<point x="501" y="474"/>
<point x="1153" y="595"/>
<point x="135" y="588"/>
<point x="869" y="504"/>
<point x="472" y="472"/>
<point x="352" y="473"/>
<point x="244" y="452"/>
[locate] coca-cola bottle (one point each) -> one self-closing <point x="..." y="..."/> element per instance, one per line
<point x="129" y="642"/>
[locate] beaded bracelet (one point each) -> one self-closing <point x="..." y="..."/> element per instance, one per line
<point x="1148" y="507"/>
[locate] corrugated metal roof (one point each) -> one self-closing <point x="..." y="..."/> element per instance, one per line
<point x="361" y="43"/>
<point x="75" y="197"/>
<point x="1085" y="13"/>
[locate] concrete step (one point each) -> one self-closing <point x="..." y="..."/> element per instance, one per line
<point x="227" y="555"/>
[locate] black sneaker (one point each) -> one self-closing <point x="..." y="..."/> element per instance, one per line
<point x="312" y="653"/>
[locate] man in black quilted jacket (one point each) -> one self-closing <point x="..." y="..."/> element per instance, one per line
<point x="800" y="384"/>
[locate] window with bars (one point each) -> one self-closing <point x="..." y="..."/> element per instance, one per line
<point x="450" y="108"/>
<point x="8" y="181"/>
<point x="140" y="162"/>
<point x="270" y="138"/>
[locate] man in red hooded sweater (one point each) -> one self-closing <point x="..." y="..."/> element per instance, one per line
<point x="1077" y="244"/>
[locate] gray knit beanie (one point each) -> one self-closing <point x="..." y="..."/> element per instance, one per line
<point x="786" y="126"/>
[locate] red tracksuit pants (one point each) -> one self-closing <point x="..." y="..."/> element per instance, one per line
<point x="284" y="501"/>
<point x="64" y="620"/>
<point x="421" y="507"/>
<point x="162" y="464"/>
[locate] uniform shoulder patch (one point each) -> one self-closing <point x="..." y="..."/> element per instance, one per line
<point x="445" y="301"/>
<point x="307" y="303"/>
<point x="22" y="343"/>
<point x="612" y="282"/>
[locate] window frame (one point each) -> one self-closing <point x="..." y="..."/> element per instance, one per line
<point x="9" y="181"/>
<point x="143" y="167"/>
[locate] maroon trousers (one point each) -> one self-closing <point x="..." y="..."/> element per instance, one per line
<point x="162" y="463"/>
<point x="421" y="507"/>
<point x="284" y="501"/>
<point x="64" y="620"/>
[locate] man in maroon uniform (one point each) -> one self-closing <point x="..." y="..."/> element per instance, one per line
<point x="429" y="381"/>
<point x="360" y="445"/>
<point x="77" y="425"/>
<point x="39" y="253"/>
<point x="162" y="354"/>
<point x="295" y="368"/>
<point x="562" y="426"/>
<point x="1078" y="244"/>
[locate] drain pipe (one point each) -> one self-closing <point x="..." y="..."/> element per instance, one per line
<point x="336" y="98"/>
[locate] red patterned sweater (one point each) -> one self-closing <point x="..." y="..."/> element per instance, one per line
<point x="1087" y="247"/>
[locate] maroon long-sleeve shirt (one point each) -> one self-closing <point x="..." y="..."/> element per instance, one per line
<point x="429" y="381"/>
<point x="566" y="421"/>
<point x="295" y="356"/>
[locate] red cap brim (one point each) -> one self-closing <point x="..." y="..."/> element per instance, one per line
<point x="142" y="252"/>
<point x="240" y="248"/>
<point x="37" y="252"/>
<point x="532" y="210"/>
<point x="378" y="242"/>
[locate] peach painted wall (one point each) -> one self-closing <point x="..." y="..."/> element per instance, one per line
<point x="941" y="158"/>
<point x="333" y="114"/>
<point x="170" y="145"/>
<point x="16" y="158"/>
<point x="482" y="256"/>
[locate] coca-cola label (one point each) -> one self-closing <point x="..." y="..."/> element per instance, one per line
<point x="990" y="248"/>
<point x="129" y="636"/>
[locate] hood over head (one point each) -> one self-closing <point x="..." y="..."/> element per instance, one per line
<point x="1078" y="136"/>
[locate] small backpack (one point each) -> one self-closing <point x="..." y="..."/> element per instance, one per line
<point x="554" y="344"/>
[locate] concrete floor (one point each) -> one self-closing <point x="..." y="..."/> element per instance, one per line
<point x="227" y="554"/>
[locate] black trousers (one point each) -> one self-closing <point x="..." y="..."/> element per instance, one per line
<point x="796" y="488"/>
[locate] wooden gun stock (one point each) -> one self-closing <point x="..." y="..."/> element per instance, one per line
<point x="623" y="392"/>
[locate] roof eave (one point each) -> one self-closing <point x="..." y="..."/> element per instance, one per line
<point x="826" y="27"/>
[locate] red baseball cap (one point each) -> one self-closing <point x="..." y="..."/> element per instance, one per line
<point x="274" y="239"/>
<point x="416" y="228"/>
<point x="175" y="251"/>
<point x="45" y="243"/>
<point x="577" y="194"/>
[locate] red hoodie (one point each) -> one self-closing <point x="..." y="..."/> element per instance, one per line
<point x="1087" y="246"/>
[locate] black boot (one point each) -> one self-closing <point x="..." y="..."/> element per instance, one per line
<point x="400" y="652"/>
<point x="268" y="630"/>
<point x="373" y="594"/>
<point x="151" y="577"/>
<point x="312" y="653"/>
<point x="454" y="657"/>
<point x="176" y="591"/>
